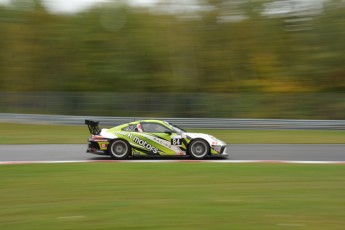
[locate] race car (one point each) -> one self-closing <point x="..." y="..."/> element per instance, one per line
<point x="151" y="138"/>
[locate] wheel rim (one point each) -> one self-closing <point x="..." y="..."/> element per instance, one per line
<point x="199" y="149"/>
<point x="119" y="148"/>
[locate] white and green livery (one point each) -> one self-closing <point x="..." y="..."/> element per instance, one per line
<point x="151" y="137"/>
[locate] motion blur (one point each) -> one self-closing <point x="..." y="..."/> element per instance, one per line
<point x="195" y="58"/>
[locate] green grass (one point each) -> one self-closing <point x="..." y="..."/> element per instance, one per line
<point x="42" y="134"/>
<point x="60" y="134"/>
<point x="172" y="196"/>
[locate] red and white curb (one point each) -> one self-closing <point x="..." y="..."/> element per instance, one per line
<point x="172" y="161"/>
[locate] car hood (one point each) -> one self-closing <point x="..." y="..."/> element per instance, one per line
<point x="209" y="138"/>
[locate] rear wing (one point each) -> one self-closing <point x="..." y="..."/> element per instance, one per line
<point x="93" y="127"/>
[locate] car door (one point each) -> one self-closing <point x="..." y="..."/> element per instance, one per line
<point x="160" y="136"/>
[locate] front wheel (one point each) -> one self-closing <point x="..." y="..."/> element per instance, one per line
<point x="198" y="149"/>
<point x="119" y="149"/>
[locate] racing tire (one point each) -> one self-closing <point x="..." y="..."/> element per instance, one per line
<point x="119" y="149"/>
<point x="198" y="149"/>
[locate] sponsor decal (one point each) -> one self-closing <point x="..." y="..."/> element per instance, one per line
<point x="145" y="144"/>
<point x="103" y="145"/>
<point x="126" y="134"/>
<point x="139" y="141"/>
<point x="165" y="143"/>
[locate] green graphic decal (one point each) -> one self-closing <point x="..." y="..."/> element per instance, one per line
<point x="137" y="140"/>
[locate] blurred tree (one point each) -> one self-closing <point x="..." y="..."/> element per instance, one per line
<point x="214" y="46"/>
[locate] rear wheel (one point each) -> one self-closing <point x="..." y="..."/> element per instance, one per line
<point x="198" y="149"/>
<point x="119" y="149"/>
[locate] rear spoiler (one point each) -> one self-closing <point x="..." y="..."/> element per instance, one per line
<point x="93" y="127"/>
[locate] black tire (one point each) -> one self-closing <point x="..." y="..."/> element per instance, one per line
<point x="119" y="149"/>
<point x="198" y="149"/>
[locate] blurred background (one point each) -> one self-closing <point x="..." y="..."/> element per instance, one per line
<point x="174" y="58"/>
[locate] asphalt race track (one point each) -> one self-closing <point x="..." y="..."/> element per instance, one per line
<point x="237" y="152"/>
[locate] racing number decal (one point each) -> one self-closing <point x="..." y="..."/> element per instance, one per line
<point x="176" y="141"/>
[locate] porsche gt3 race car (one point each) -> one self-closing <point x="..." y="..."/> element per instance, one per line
<point x="151" y="137"/>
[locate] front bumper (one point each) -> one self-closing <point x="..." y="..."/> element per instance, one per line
<point x="219" y="151"/>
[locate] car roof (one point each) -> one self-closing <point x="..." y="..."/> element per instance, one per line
<point x="149" y="120"/>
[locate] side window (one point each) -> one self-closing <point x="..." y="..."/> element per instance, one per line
<point x="154" y="128"/>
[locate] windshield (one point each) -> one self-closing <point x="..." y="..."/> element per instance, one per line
<point x="175" y="128"/>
